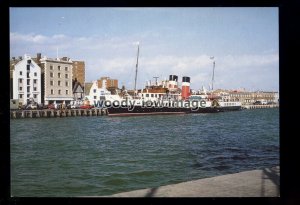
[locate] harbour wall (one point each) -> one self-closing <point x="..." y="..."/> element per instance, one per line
<point x="259" y="106"/>
<point x="46" y="113"/>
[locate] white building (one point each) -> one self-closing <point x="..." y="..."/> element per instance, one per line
<point x="98" y="92"/>
<point x="27" y="81"/>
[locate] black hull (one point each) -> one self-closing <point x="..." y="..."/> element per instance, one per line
<point x="138" y="110"/>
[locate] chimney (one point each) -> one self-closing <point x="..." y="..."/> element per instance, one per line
<point x="38" y="57"/>
<point x="185" y="93"/>
<point x="65" y="58"/>
<point x="20" y="57"/>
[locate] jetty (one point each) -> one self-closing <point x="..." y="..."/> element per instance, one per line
<point x="48" y="113"/>
<point x="254" y="183"/>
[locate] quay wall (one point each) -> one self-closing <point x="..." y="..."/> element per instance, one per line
<point x="254" y="183"/>
<point x="47" y="113"/>
<point x="259" y="106"/>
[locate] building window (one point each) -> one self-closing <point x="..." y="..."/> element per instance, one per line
<point x="20" y="88"/>
<point x="94" y="90"/>
<point x="59" y="92"/>
<point x="58" y="67"/>
<point x="147" y="95"/>
<point x="95" y="97"/>
<point x="67" y="83"/>
<point x="20" y="72"/>
<point x="34" y="81"/>
<point x="66" y="68"/>
<point x="28" y="89"/>
<point x="51" y="67"/>
<point x="20" y="80"/>
<point x="67" y="92"/>
<point x="20" y="96"/>
<point x="58" y="75"/>
<point x="28" y="95"/>
<point x="35" y="74"/>
<point x="34" y="95"/>
<point x="51" y="82"/>
<point x="28" y="75"/>
<point x="152" y="95"/>
<point x="58" y="83"/>
<point x="66" y="75"/>
<point x="34" y="88"/>
<point x="28" y="82"/>
<point x="52" y="92"/>
<point x="51" y="75"/>
<point x="28" y="68"/>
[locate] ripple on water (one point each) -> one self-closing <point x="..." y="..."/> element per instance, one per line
<point x="101" y="155"/>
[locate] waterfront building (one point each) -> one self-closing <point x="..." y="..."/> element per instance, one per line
<point x="57" y="80"/>
<point x="87" y="88"/>
<point x="107" y="82"/>
<point x="78" y="92"/>
<point x="12" y="64"/>
<point x="248" y="98"/>
<point x="79" y="72"/>
<point x="97" y="89"/>
<point x="251" y="97"/>
<point x="26" y="78"/>
<point x="37" y="61"/>
<point x="99" y="92"/>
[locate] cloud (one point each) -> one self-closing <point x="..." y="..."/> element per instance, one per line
<point x="244" y="61"/>
<point x="252" y="73"/>
<point x="116" y="57"/>
<point x="30" y="38"/>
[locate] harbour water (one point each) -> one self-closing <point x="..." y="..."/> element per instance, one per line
<point x="98" y="156"/>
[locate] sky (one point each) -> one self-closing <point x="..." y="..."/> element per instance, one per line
<point x="173" y="41"/>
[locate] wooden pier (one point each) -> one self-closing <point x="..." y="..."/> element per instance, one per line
<point x="47" y="113"/>
<point x="259" y="106"/>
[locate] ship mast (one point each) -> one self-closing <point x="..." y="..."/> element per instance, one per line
<point x="213" y="75"/>
<point x="136" y="68"/>
<point x="156" y="80"/>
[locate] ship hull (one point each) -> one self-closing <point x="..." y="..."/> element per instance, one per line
<point x="138" y="110"/>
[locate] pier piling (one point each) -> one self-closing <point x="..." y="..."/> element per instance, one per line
<point x="15" y="114"/>
<point x="260" y="106"/>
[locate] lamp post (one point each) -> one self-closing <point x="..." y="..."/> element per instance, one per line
<point x="213" y="75"/>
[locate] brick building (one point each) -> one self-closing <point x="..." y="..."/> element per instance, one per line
<point x="79" y="72"/>
<point x="107" y="83"/>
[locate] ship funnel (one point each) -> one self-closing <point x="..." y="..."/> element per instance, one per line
<point x="173" y="81"/>
<point x="173" y="78"/>
<point x="186" y="81"/>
